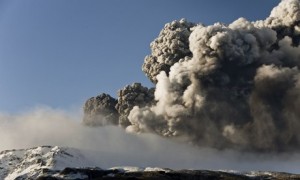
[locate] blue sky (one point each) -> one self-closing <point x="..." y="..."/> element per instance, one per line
<point x="59" y="53"/>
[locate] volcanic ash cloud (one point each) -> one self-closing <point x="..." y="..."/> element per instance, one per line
<point x="231" y="86"/>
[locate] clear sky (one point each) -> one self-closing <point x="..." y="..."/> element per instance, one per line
<point x="60" y="52"/>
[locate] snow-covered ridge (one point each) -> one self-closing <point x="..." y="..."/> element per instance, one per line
<point x="33" y="162"/>
<point x="53" y="162"/>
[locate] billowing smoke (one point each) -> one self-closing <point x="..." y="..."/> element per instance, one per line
<point x="100" y="110"/>
<point x="171" y="45"/>
<point x="105" y="110"/>
<point x="233" y="86"/>
<point x="130" y="96"/>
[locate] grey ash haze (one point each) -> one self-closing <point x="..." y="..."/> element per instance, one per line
<point x="225" y="86"/>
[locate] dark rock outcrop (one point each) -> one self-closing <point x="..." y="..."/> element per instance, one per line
<point x="94" y="173"/>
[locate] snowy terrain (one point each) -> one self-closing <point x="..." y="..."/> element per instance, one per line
<point x="55" y="162"/>
<point x="33" y="162"/>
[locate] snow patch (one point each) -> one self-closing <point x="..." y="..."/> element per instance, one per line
<point x="34" y="162"/>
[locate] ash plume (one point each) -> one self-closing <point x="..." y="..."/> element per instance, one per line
<point x="106" y="110"/>
<point x="169" y="47"/>
<point x="233" y="86"/>
<point x="100" y="111"/>
<point x="130" y="96"/>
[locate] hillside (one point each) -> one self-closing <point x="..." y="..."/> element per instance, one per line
<point x="57" y="163"/>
